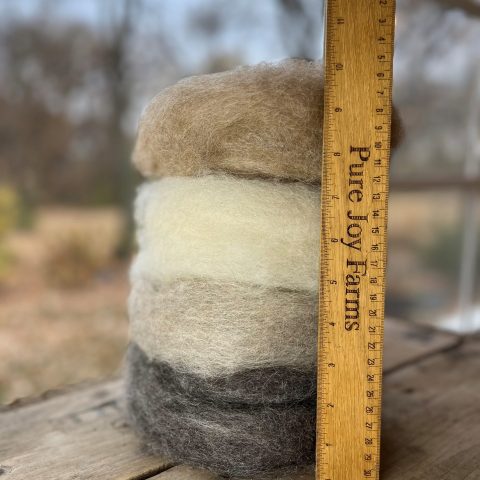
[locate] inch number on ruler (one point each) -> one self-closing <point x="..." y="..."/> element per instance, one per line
<point x="358" y="83"/>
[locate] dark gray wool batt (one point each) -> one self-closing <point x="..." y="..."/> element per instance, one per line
<point x="263" y="385"/>
<point x="232" y="439"/>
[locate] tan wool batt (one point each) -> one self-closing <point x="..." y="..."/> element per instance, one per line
<point x="257" y="121"/>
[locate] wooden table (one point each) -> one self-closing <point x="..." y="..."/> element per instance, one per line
<point x="431" y="421"/>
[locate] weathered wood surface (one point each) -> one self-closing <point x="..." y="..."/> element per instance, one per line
<point x="187" y="473"/>
<point x="406" y="343"/>
<point x="431" y="428"/>
<point x="80" y="434"/>
<point x="431" y="422"/>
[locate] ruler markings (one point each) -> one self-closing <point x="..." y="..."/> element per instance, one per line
<point x="354" y="218"/>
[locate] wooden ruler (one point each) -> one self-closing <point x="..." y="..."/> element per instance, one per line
<point x="358" y="76"/>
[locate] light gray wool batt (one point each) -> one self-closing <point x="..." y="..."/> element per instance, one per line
<point x="228" y="341"/>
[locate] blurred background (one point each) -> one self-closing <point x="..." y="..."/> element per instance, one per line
<point x="74" y="78"/>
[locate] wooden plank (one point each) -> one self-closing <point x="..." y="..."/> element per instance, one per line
<point x="431" y="429"/>
<point x="183" y="472"/>
<point x="431" y="426"/>
<point x="82" y="433"/>
<point x="187" y="473"/>
<point x="407" y="342"/>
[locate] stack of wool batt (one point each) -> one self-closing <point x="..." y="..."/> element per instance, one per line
<point x="223" y="307"/>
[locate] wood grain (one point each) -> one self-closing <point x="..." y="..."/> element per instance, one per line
<point x="353" y="247"/>
<point x="188" y="473"/>
<point x="407" y="342"/>
<point x="431" y="421"/>
<point x="81" y="433"/>
<point x="183" y="472"/>
<point x="431" y="410"/>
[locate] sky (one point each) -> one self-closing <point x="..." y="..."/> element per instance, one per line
<point x="256" y="44"/>
<point x="260" y="44"/>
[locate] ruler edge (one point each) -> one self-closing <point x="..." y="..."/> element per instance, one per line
<point x="321" y="352"/>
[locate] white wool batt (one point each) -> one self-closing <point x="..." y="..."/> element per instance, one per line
<point x="231" y="229"/>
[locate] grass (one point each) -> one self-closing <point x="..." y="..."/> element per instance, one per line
<point x="51" y="335"/>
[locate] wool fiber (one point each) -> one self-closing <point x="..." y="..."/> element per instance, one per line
<point x="214" y="328"/>
<point x="233" y="440"/>
<point x="221" y="367"/>
<point x="257" y="121"/>
<point x="229" y="229"/>
<point x="265" y="385"/>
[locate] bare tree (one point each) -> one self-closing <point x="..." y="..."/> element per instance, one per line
<point x="115" y="57"/>
<point x="300" y="29"/>
<point x="470" y="7"/>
